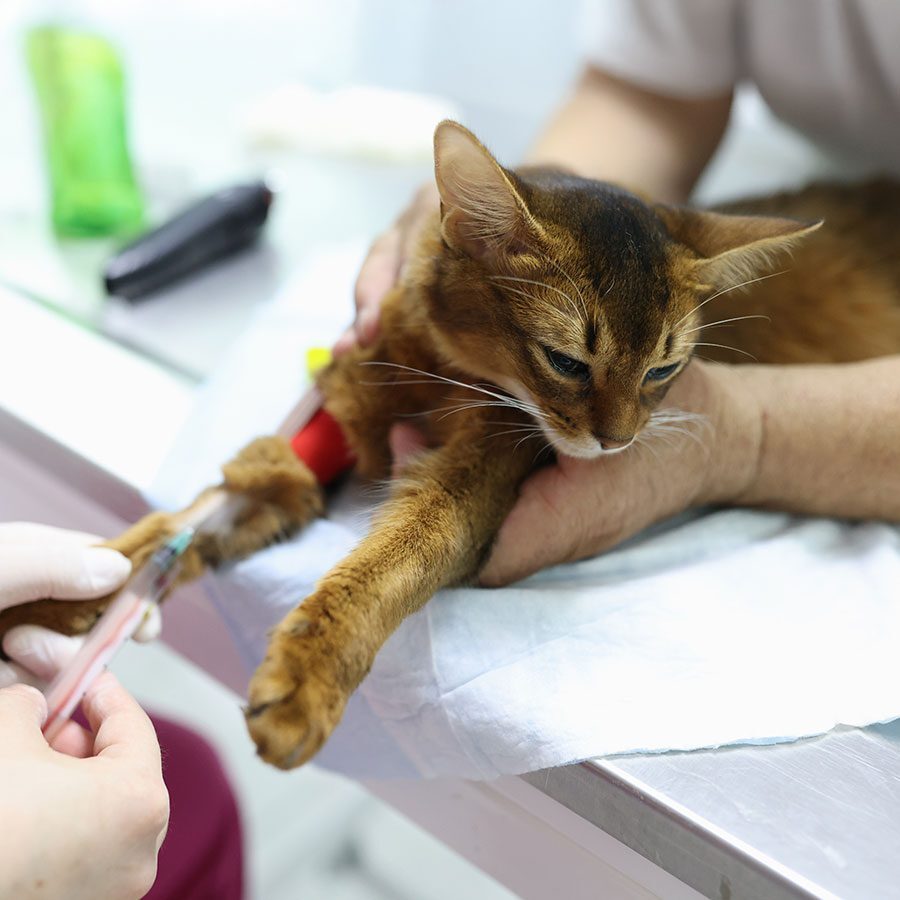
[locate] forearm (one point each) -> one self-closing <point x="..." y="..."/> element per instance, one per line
<point x="828" y="439"/>
<point x="614" y="131"/>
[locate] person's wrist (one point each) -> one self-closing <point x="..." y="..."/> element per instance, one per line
<point x="736" y="434"/>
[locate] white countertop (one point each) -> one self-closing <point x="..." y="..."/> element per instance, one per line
<point x="89" y="394"/>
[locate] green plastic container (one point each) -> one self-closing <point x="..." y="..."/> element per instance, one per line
<point x="80" y="89"/>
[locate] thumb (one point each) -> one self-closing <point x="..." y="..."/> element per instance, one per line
<point x="540" y="530"/>
<point x="121" y="728"/>
<point x="22" y="713"/>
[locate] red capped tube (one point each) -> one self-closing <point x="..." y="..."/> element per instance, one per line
<point x="322" y="446"/>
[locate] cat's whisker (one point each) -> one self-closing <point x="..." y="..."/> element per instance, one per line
<point x="506" y="399"/>
<point x="669" y="425"/>
<point x="683" y="421"/>
<point x="642" y="442"/>
<point x="547" y="448"/>
<point x="511" y="424"/>
<point x="460" y="407"/>
<point x="675" y="432"/>
<point x="725" y="347"/>
<point x="674" y="415"/>
<point x="526" y="432"/>
<point x="724" y="322"/>
<point x="571" y="280"/>
<point x="542" y="284"/>
<point x="727" y="290"/>
<point x="655" y="431"/>
<point x="516" y="405"/>
<point x="511" y="402"/>
<point x="527" y="437"/>
<point x="515" y="426"/>
<point x="449" y="411"/>
<point x="533" y="297"/>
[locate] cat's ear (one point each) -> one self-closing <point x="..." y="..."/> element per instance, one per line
<point x="732" y="249"/>
<point x="483" y="214"/>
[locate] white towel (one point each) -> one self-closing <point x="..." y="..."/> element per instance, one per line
<point x="737" y="626"/>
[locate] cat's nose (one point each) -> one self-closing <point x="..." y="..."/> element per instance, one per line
<point x="613" y="443"/>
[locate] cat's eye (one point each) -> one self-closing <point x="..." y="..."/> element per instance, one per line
<point x="565" y="365"/>
<point x="660" y="373"/>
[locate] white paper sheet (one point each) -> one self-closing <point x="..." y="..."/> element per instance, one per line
<point x="734" y="627"/>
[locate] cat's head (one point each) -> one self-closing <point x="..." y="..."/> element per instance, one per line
<point x="575" y="296"/>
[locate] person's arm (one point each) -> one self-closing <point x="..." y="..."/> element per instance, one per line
<point x="821" y="440"/>
<point x="830" y="439"/>
<point x="608" y="129"/>
<point x="615" y="131"/>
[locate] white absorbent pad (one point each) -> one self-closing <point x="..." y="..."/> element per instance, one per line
<point x="736" y="626"/>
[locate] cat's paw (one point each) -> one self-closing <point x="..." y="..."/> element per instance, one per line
<point x="294" y="700"/>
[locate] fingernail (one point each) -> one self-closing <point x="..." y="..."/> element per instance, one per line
<point x="105" y="569"/>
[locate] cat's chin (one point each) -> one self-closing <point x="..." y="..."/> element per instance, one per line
<point x="589" y="448"/>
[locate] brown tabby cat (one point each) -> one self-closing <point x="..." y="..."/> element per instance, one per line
<point x="544" y="305"/>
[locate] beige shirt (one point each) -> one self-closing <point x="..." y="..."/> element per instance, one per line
<point x="830" y="68"/>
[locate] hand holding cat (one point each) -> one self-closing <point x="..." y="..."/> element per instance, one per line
<point x="577" y="508"/>
<point x="383" y="266"/>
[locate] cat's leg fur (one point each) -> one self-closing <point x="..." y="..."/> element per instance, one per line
<point x="280" y="496"/>
<point x="436" y="530"/>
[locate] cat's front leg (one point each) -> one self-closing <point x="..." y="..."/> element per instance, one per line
<point x="435" y="530"/>
<point x="277" y="493"/>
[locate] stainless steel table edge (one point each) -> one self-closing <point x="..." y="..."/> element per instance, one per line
<point x="707" y="858"/>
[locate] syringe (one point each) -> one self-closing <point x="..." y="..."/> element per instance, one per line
<point x="118" y="623"/>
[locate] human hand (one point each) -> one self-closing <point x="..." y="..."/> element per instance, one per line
<point x="37" y="562"/>
<point x="578" y="508"/>
<point x="383" y="266"/>
<point x="87" y="816"/>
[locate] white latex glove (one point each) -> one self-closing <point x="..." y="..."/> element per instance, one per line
<point x="39" y="561"/>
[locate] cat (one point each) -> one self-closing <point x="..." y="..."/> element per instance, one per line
<point x="545" y="310"/>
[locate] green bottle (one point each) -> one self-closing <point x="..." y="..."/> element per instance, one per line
<point x="80" y="89"/>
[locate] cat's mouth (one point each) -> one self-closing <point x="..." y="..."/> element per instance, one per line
<point x="587" y="447"/>
<point x="584" y="448"/>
